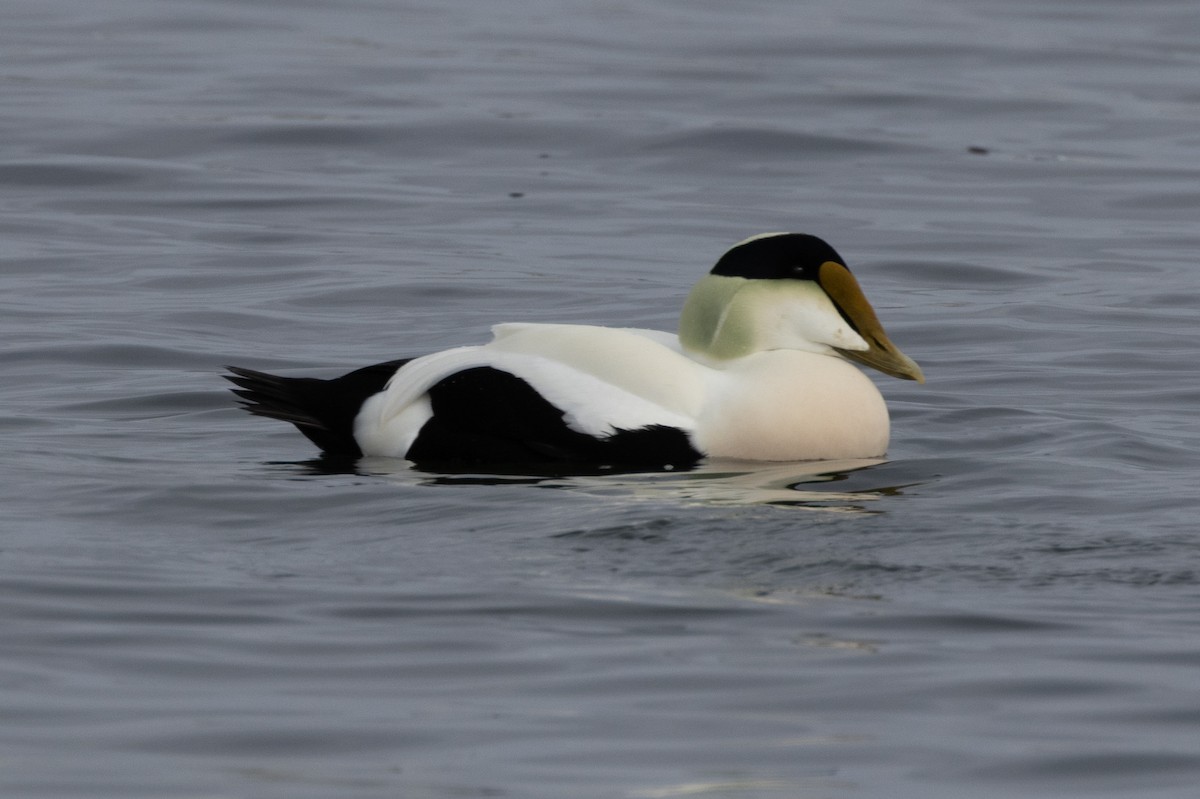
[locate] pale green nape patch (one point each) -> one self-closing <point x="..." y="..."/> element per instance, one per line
<point x="702" y="324"/>
<point x="731" y="317"/>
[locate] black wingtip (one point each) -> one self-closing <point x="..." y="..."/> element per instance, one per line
<point x="272" y="396"/>
<point x="323" y="410"/>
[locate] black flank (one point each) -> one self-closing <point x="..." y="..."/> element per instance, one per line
<point x="488" y="417"/>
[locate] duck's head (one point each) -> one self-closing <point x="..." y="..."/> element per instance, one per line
<point x="787" y="291"/>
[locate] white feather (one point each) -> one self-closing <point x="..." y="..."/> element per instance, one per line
<point x="766" y="406"/>
<point x="603" y="379"/>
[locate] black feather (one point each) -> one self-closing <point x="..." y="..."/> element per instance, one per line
<point x="488" y="417"/>
<point x="787" y="256"/>
<point x="482" y="417"/>
<point x="323" y="410"/>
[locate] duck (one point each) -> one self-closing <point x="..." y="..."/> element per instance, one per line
<point x="764" y="366"/>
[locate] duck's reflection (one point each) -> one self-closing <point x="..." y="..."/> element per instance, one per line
<point x="806" y="485"/>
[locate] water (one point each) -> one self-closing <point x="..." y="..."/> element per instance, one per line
<point x="193" y="608"/>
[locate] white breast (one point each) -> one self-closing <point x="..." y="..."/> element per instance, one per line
<point x="788" y="405"/>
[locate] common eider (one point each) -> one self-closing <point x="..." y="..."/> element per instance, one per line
<point x="760" y="370"/>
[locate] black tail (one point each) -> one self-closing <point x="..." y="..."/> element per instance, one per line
<point x="323" y="410"/>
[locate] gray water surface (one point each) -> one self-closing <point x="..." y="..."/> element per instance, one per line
<point x="192" y="607"/>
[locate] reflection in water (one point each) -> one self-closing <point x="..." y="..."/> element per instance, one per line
<point x="728" y="482"/>
<point x="739" y="483"/>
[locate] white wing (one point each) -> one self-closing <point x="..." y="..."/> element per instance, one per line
<point x="603" y="379"/>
